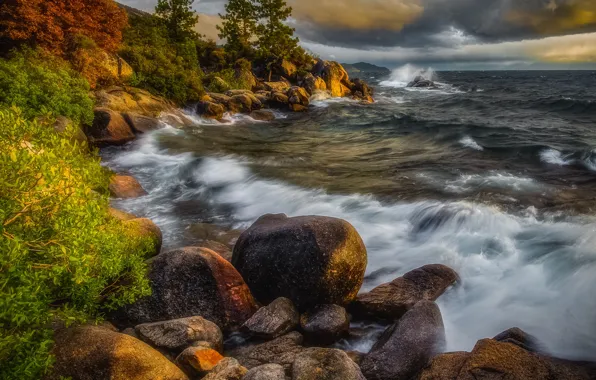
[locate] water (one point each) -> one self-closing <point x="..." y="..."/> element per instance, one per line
<point x="493" y="174"/>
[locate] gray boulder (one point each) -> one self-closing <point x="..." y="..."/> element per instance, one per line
<point x="180" y="333"/>
<point x="282" y="351"/>
<point x="325" y="363"/>
<point x="274" y="320"/>
<point x="266" y="372"/>
<point x="325" y="324"/>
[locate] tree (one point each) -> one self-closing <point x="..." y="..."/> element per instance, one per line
<point x="275" y="38"/>
<point x="51" y="25"/>
<point x="239" y="25"/>
<point x="179" y="17"/>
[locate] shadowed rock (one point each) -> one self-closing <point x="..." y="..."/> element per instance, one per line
<point x="520" y="338"/>
<point x="276" y="319"/>
<point x="226" y="369"/>
<point x="325" y="363"/>
<point x="325" y="324"/>
<point x="108" y="128"/>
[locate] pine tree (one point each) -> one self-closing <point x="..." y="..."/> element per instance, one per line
<point x="179" y="17"/>
<point x="239" y="25"/>
<point x="275" y="39"/>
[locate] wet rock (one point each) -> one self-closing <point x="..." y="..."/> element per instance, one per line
<point x="421" y="82"/>
<point x="335" y="76"/>
<point x="91" y="353"/>
<point x="520" y="338"/>
<point x="210" y="110"/>
<point x="180" y="333"/>
<point x="262" y="115"/>
<point x="125" y="186"/>
<point x="312" y="83"/>
<point x="405" y="348"/>
<point x="311" y="260"/>
<point x="281" y="86"/>
<point x="241" y="103"/>
<point x="298" y="99"/>
<point x="445" y="366"/>
<point x="266" y="372"/>
<point x="362" y="91"/>
<point x="192" y="281"/>
<point x="325" y="324"/>
<point x="221" y="99"/>
<point x="108" y="128"/>
<point x="198" y="360"/>
<point x="324" y="363"/>
<point x="392" y="300"/>
<point x="278" y="100"/>
<point x="141" y="123"/>
<point x="276" y="319"/>
<point x="227" y="369"/>
<point x="145" y="229"/>
<point x="282" y="351"/>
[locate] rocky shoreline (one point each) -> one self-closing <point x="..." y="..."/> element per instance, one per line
<point x="273" y="306"/>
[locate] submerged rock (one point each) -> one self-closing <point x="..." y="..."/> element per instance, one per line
<point x="180" y="333"/>
<point x="188" y="282"/>
<point x="325" y="363"/>
<point x="394" y="299"/>
<point x="420" y="82"/>
<point x="405" y="348"/>
<point x="108" y="128"/>
<point x="91" y="353"/>
<point x="282" y="351"/>
<point x="262" y="115"/>
<point x="125" y="186"/>
<point x="273" y="320"/>
<point x="325" y="324"/>
<point x="311" y="260"/>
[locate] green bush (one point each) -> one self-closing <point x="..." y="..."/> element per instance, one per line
<point x="40" y="84"/>
<point x="63" y="259"/>
<point x="230" y="77"/>
<point x="162" y="66"/>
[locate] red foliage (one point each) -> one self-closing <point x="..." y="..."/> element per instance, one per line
<point x="52" y="24"/>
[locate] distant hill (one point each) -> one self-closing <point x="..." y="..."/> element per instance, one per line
<point x="366" y="68"/>
<point x="133" y="11"/>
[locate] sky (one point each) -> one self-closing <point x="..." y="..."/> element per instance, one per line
<point x="443" y="34"/>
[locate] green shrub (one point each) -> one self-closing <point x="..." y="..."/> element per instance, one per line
<point x="40" y="84"/>
<point x="63" y="259"/>
<point x="230" y="77"/>
<point x="162" y="66"/>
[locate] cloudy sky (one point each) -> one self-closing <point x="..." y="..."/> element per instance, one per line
<point x="444" y="34"/>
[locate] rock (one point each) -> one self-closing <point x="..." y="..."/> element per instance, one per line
<point x="198" y="360"/>
<point x="130" y="331"/>
<point x="91" y="353"/>
<point x="282" y="351"/>
<point x="142" y="124"/>
<point x="210" y="110"/>
<point x="262" y="115"/>
<point x="242" y="103"/>
<point x="324" y="363"/>
<point x="281" y="86"/>
<point x="266" y="372"/>
<point x="192" y="281"/>
<point x="276" y="319"/>
<point x="298" y="99"/>
<point x="336" y="78"/>
<point x="287" y="69"/>
<point x="420" y="82"/>
<point x="392" y="300"/>
<point x="311" y="260"/>
<point x="145" y="228"/>
<point x="445" y="366"/>
<point x="219" y="248"/>
<point x="356" y="356"/>
<point x="108" y="128"/>
<point x="325" y="324"/>
<point x="125" y="186"/>
<point x="222" y="99"/>
<point x="362" y="91"/>
<point x="232" y="93"/>
<point x="243" y="73"/>
<point x="227" y="369"/>
<point x="405" y="348"/>
<point x="312" y="83"/>
<point x="180" y="333"/>
<point x="263" y="98"/>
<point x="278" y="100"/>
<point x="520" y="338"/>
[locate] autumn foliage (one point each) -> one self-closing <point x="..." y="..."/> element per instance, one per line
<point x="52" y="25"/>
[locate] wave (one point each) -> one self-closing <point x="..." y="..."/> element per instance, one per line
<point x="469" y="142"/>
<point x="516" y="270"/>
<point x="400" y="77"/>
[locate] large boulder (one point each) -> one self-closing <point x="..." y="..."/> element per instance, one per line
<point x="335" y="76"/>
<point x="244" y="103"/>
<point x="144" y="228"/>
<point x="141" y="123"/>
<point x="266" y="372"/>
<point x="325" y="324"/>
<point x="298" y="99"/>
<point x="192" y="281"/>
<point x="180" y="333"/>
<point x="362" y="91"/>
<point x="311" y="260"/>
<point x="227" y="369"/>
<point x="210" y="110"/>
<point x="198" y="360"/>
<point x="405" y="348"/>
<point x="325" y="363"/>
<point x="445" y="366"/>
<point x="278" y="100"/>
<point x="276" y="319"/>
<point x="282" y="351"/>
<point x="108" y="128"/>
<point x="394" y="299"/>
<point x="125" y="186"/>
<point x="91" y="353"/>
<point x="312" y="83"/>
<point x="221" y="99"/>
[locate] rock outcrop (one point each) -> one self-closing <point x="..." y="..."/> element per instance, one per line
<point x="189" y="282"/>
<point x="311" y="260"/>
<point x="276" y="319"/>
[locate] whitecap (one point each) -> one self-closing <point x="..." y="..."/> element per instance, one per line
<point x="555" y="157"/>
<point x="469" y="142"/>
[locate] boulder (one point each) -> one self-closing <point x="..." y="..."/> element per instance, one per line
<point x="311" y="260"/>
<point x="121" y="215"/>
<point x="242" y="103"/>
<point x="276" y="319"/>
<point x="405" y="348"/>
<point x="266" y="372"/>
<point x="263" y="98"/>
<point x="198" y="360"/>
<point x="278" y="100"/>
<point x="125" y="186"/>
<point x="141" y="123"/>
<point x="362" y="91"/>
<point x="392" y="300"/>
<point x="520" y="338"/>
<point x="221" y="99"/>
<point x="325" y="363"/>
<point x="336" y="78"/>
<point x="232" y="93"/>
<point x="227" y="369"/>
<point x="145" y="228"/>
<point x="281" y="86"/>
<point x="192" y="281"/>
<point x="444" y="366"/>
<point x="312" y="83"/>
<point x="298" y="99"/>
<point x="179" y="334"/>
<point x="91" y="353"/>
<point x="262" y="115"/>
<point x="325" y="324"/>
<point x="282" y="351"/>
<point x="108" y="128"/>
<point x="421" y="82"/>
<point x="210" y="110"/>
